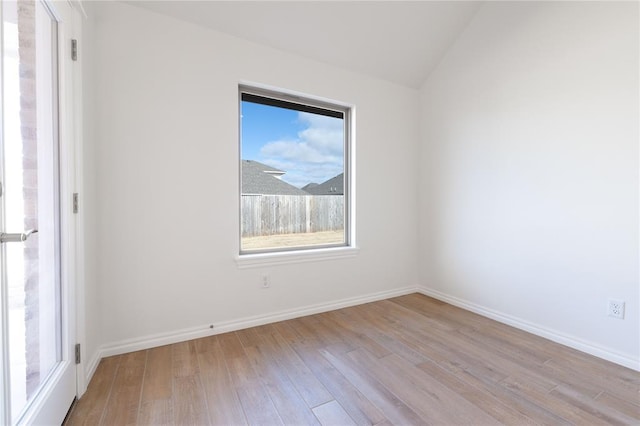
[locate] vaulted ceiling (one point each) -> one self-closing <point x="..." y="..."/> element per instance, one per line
<point x="398" y="41"/>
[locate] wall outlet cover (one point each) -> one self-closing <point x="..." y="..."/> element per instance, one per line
<point x="616" y="308"/>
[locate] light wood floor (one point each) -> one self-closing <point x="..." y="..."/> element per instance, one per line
<point x="407" y="361"/>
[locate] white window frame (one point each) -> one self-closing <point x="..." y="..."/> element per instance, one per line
<point x="285" y="255"/>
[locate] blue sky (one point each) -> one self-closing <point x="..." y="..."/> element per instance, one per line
<point x="308" y="147"/>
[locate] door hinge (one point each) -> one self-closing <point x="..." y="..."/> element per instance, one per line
<point x="78" y="353"/>
<point x="75" y="202"/>
<point x="74" y="49"/>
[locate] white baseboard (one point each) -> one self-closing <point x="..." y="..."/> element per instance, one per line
<point x="554" y="335"/>
<point x="92" y="366"/>
<point x="161" y="339"/>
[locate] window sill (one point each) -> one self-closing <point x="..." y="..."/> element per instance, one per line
<point x="245" y="261"/>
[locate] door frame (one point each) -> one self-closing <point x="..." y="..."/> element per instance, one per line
<point x="67" y="375"/>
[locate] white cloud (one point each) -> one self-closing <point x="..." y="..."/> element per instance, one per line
<point x="315" y="156"/>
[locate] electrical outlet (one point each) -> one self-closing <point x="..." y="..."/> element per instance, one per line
<point x="266" y="281"/>
<point x="616" y="308"/>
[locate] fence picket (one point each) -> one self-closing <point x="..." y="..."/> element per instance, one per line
<point x="291" y="214"/>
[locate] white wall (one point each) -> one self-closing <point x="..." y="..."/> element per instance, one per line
<point x="529" y="171"/>
<point x="164" y="152"/>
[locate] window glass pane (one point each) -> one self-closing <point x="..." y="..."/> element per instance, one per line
<point x="293" y="167"/>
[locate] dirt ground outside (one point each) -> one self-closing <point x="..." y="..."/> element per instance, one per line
<point x="292" y="240"/>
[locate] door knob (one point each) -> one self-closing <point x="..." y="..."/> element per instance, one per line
<point x="16" y="238"/>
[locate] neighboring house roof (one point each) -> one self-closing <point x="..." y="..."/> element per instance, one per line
<point x="258" y="178"/>
<point x="308" y="186"/>
<point x="334" y="186"/>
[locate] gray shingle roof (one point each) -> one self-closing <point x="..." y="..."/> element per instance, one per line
<point x="308" y="186"/>
<point x="334" y="186"/>
<point x="258" y="178"/>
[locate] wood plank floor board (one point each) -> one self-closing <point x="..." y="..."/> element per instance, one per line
<point x="404" y="388"/>
<point x="158" y="379"/>
<point x="409" y="360"/>
<point x="206" y="344"/>
<point x="521" y="342"/>
<point x="290" y="405"/>
<point x="539" y="395"/>
<point x="189" y="404"/>
<point x="495" y="407"/>
<point x="325" y="335"/>
<point x="396" y="411"/>
<point x="124" y="399"/>
<point x="434" y="316"/>
<point x="401" y="316"/>
<point x="453" y="316"/>
<point x="156" y="401"/>
<point x="589" y="386"/>
<point x="332" y="413"/>
<point x="156" y="412"/>
<point x="254" y="398"/>
<point x="449" y="347"/>
<point x="94" y="401"/>
<point x="617" y="384"/>
<point x="457" y="408"/>
<point x="539" y="346"/>
<point x="184" y="359"/>
<point x="526" y="407"/>
<point x="493" y="361"/>
<point x="602" y="411"/>
<point x="250" y="337"/>
<point x="356" y="335"/>
<point x="231" y="345"/>
<point x="223" y="404"/>
<point x="257" y="406"/>
<point x="507" y="347"/>
<point x="359" y="408"/>
<point x="629" y="409"/>
<point x="419" y="346"/>
<point x="391" y="338"/>
<point x="455" y="354"/>
<point x="309" y="387"/>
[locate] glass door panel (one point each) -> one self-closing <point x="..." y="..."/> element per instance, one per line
<point x="30" y="199"/>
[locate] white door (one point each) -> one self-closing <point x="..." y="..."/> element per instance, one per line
<point x="36" y="225"/>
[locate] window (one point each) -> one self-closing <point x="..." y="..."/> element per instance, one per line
<point x="294" y="172"/>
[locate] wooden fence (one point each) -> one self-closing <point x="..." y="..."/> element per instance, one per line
<point x="291" y="214"/>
